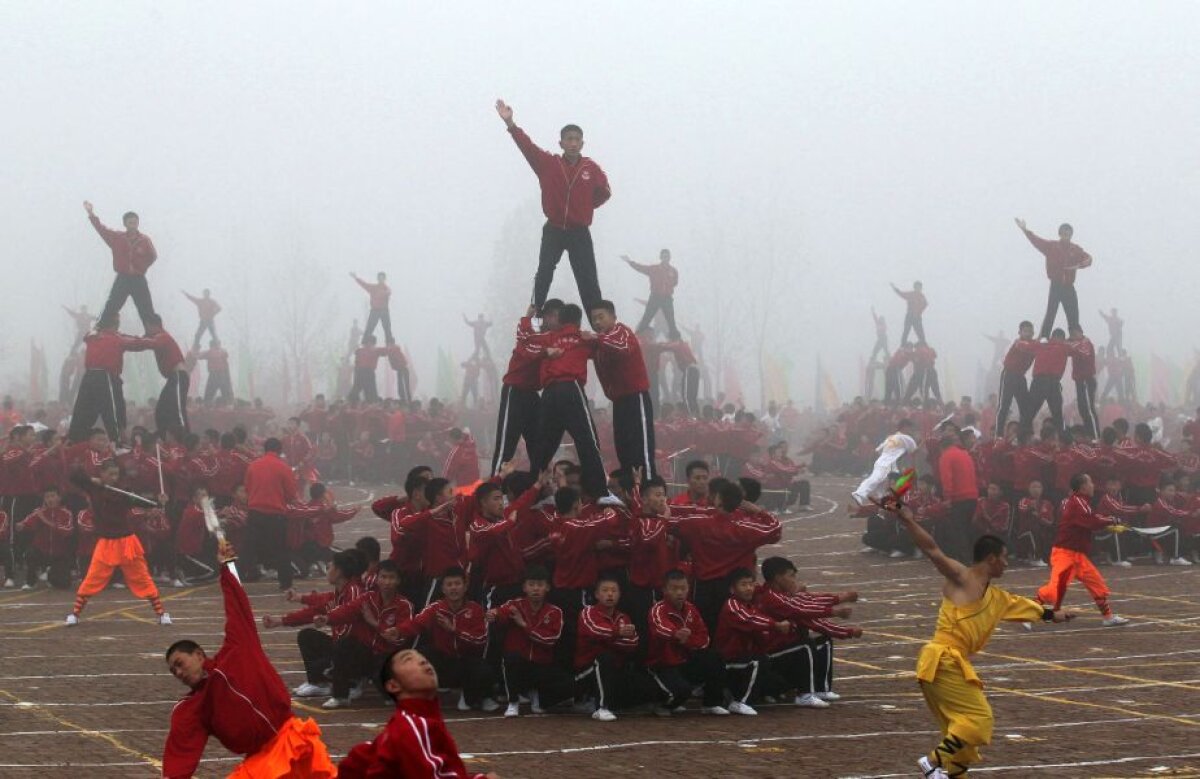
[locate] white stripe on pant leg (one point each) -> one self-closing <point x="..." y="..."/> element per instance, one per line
<point x="587" y="413"/>
<point x="599" y="684"/>
<point x="663" y="687"/>
<point x="812" y="672"/>
<point x="828" y="647"/>
<point x="647" y="469"/>
<point x="753" y="678"/>
<point x="179" y="400"/>
<point x="508" y="691"/>
<point x="112" y="401"/>
<point x="505" y="399"/>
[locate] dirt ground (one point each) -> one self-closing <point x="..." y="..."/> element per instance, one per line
<point x="1073" y="701"/>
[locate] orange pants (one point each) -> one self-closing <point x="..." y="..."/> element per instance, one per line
<point x="1066" y="565"/>
<point x="110" y="554"/>
<point x="296" y="752"/>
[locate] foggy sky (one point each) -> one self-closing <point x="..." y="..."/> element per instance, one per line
<point x="855" y="143"/>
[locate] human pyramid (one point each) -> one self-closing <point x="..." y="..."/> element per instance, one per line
<point x="563" y="584"/>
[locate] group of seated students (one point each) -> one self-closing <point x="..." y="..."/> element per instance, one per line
<point x="1023" y="483"/>
<point x="527" y="590"/>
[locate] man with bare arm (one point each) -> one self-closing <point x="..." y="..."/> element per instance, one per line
<point x="971" y="608"/>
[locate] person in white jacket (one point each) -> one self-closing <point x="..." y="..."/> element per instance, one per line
<point x="894" y="447"/>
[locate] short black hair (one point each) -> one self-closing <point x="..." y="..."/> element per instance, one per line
<point x="738" y="574"/>
<point x="183" y="645"/>
<point x="518" y="483"/>
<point x="730" y="496"/>
<point x="387" y="566"/>
<point x="696" y="465"/>
<point x="653" y="482"/>
<point x="385" y="671"/>
<point x="986" y="546"/>
<point x="128" y="214"/>
<point x="272" y="445"/>
<point x="553" y="304"/>
<point x="483" y="491"/>
<point x="454" y="572"/>
<point x="433" y="488"/>
<point x="570" y="314"/>
<point x="606" y="577"/>
<point x="607" y="305"/>
<point x="565" y="499"/>
<point x="536" y="573"/>
<point x="316" y="490"/>
<point x="674" y="575"/>
<point x="1077" y="481"/>
<point x="415" y="480"/>
<point x="351" y="562"/>
<point x="369" y="546"/>
<point x="774" y="566"/>
<point x="568" y="128"/>
<point x="751" y="488"/>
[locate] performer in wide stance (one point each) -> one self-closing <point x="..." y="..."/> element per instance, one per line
<point x="971" y="608"/>
<point x="237" y="696"/>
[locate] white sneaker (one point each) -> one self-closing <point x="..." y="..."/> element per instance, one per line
<point x="118" y="585"/>
<point x="1180" y="561"/>
<point x="609" y="500"/>
<point x="44" y="576"/>
<point x="336" y="703"/>
<point x="28" y="587"/>
<point x="720" y="711"/>
<point x="737" y="707"/>
<point x="1114" y="621"/>
<point x="1040" y="564"/>
<point x="9" y="584"/>
<point x="929" y="770"/>
<point x="177" y="583"/>
<point x="1028" y="626"/>
<point x="896" y="554"/>
<point x="356" y="691"/>
<point x="662" y="711"/>
<point x="535" y="703"/>
<point x="72" y="619"/>
<point x="1123" y="564"/>
<point x="513" y="710"/>
<point x="810" y="701"/>
<point x="603" y="715"/>
<point x="462" y="703"/>
<point x="489" y="705"/>
<point x="829" y="696"/>
<point x="308" y="690"/>
<point x="164" y="619"/>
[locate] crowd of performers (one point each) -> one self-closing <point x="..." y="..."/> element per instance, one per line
<point x="560" y="582"/>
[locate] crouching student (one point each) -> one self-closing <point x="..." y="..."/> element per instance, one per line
<point x="52" y="527"/>
<point x="1036" y="520"/>
<point x="803" y="657"/>
<point x="383" y="610"/>
<point x="237" y="696"/>
<point x="458" y="634"/>
<point x="680" y="658"/>
<point x="319" y="650"/>
<point x="744" y="634"/>
<point x="605" y="642"/>
<point x="533" y="630"/>
<point x="415" y="741"/>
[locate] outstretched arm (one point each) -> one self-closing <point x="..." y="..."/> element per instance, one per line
<point x="953" y="570"/>
<point x="506" y="113"/>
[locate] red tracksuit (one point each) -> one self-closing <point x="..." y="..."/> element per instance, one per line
<point x="807" y="610"/>
<point x="1077" y="524"/>
<point x="721" y="543"/>
<point x="992" y="516"/>
<point x="665" y="651"/>
<point x="1083" y="359"/>
<point x="572" y="364"/>
<point x="167" y="353"/>
<point x="577" y="564"/>
<point x="599" y="633"/>
<point x="495" y="558"/>
<point x="324" y="603"/>
<point x="445" y="535"/>
<point x="468" y="637"/>
<point x="1051" y="359"/>
<point x="743" y="631"/>
<point x="619" y="363"/>
<point x="241" y="700"/>
<point x="1061" y="258"/>
<point x="105" y="350"/>
<point x="570" y="193"/>
<point x="51" y="530"/>
<point x="535" y="642"/>
<point x="1020" y="356"/>
<point x="415" y="743"/>
<point x="392" y="614"/>
<point x="524" y="366"/>
<point x="132" y="255"/>
<point x="380" y="293"/>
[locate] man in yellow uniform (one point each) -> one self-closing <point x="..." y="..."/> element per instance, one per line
<point x="971" y="608"/>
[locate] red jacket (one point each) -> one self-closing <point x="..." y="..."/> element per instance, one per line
<point x="654" y="552"/>
<point x="574" y="541"/>
<point x="415" y="743"/>
<point x="570" y="193"/>
<point x="445" y="535"/>
<point x="992" y="516"/>
<point x="51" y="529"/>
<point x="743" y="631"/>
<point x="666" y="651"/>
<point x="217" y="360"/>
<point x="167" y="353"/>
<point x="1036" y="513"/>
<point x="18" y="475"/>
<point x="572" y="364"/>
<point x="721" y="543"/>
<point x="392" y="614"/>
<point x="270" y="485"/>
<point x="805" y="610"/>
<point x="1077" y="525"/>
<point x="684" y="358"/>
<point x="916" y="301"/>
<point x="537" y="640"/>
<point x="663" y="278"/>
<point x="1020" y="356"/>
<point x="619" y="363"/>
<point x="1062" y="259"/>
<point x="241" y="700"/>
<point x="324" y="604"/>
<point x="468" y="638"/>
<point x="105" y="350"/>
<point x="192" y="532"/>
<point x="598" y="633"/>
<point x="368" y="357"/>
<point x="495" y="559"/>
<point x="132" y="255"/>
<point x="524" y="366"/>
<point x="462" y="462"/>
<point x="956" y="472"/>
<point x="380" y="293"/>
<point x="1083" y="359"/>
<point x="1050" y="359"/>
<point x="207" y="308"/>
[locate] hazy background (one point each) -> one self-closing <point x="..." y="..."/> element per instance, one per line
<point x="795" y="157"/>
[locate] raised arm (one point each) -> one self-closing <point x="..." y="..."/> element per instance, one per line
<point x="240" y="630"/>
<point x="1039" y="243"/>
<point x="953" y="570"/>
<point x="534" y="155"/>
<point x="190" y="297"/>
<point x="106" y="233"/>
<point x="637" y="266"/>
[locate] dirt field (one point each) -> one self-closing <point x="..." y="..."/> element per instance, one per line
<point x="1077" y="701"/>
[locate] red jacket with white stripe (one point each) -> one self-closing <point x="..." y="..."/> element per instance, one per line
<point x="415" y="743"/>
<point x="570" y="193"/>
<point x="51" y="529"/>
<point x="720" y="543"/>
<point x="324" y="603"/>
<point x="131" y="254"/>
<point x="599" y="633"/>
<point x="743" y="631"/>
<point x="105" y="350"/>
<point x="467" y="636"/>
<point x="572" y="364"/>
<point x="619" y="363"/>
<point x="537" y="640"/>
<point x="495" y="558"/>
<point x="524" y="366"/>
<point x="807" y="610"/>
<point x="665" y="620"/>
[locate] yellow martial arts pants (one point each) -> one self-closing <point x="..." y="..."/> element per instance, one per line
<point x="964" y="715"/>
